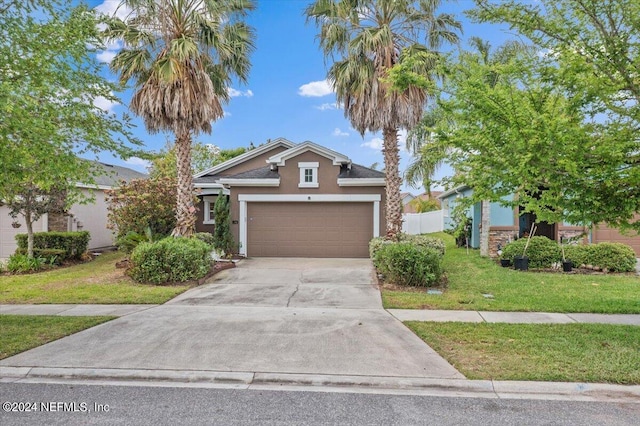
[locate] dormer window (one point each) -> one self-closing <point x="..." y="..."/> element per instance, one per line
<point x="308" y="175"/>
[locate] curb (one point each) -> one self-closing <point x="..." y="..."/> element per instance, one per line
<point x="598" y="392"/>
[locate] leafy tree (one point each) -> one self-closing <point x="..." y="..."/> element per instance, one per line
<point x="48" y="93"/>
<point x="421" y="205"/>
<point x="222" y="238"/>
<point x="143" y="204"/>
<point x="369" y="37"/>
<point x="592" y="52"/>
<point x="202" y="158"/>
<point x="182" y="55"/>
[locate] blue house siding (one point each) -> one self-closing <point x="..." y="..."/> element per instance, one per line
<point x="500" y="215"/>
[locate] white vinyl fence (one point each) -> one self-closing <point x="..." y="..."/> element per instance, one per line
<point x="423" y="223"/>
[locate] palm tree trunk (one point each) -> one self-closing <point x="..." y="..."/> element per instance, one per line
<point x="484" y="228"/>
<point x="393" y="205"/>
<point x="185" y="208"/>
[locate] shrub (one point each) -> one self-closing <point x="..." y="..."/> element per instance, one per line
<point x="21" y="263"/>
<point x="170" y="260"/>
<point x="405" y="263"/>
<point x="205" y="237"/>
<point x="49" y="256"/>
<point x="222" y="238"/>
<point x="128" y="242"/>
<point x="142" y="203"/>
<point x="542" y="252"/>
<point x="578" y="254"/>
<point x="74" y="244"/>
<point x="419" y="240"/>
<point x="615" y="257"/>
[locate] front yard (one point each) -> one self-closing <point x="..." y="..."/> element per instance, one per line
<point x="476" y="283"/>
<point x="98" y="282"/>
<point x="19" y="333"/>
<point x="541" y="352"/>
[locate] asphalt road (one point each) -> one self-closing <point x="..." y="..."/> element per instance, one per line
<point x="131" y="405"/>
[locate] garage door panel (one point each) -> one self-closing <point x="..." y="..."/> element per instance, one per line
<point x="604" y="233"/>
<point x="309" y="229"/>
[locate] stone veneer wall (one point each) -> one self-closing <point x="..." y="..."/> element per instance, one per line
<point x="572" y="232"/>
<point x="500" y="236"/>
<point x="58" y="222"/>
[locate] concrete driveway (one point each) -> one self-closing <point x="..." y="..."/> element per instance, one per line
<point x="299" y="316"/>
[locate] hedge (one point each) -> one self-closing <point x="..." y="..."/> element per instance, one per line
<point x="542" y="252"/>
<point x="74" y="244"/>
<point x="614" y="257"/>
<point x="170" y="260"/>
<point x="418" y="240"/>
<point x="406" y="263"/>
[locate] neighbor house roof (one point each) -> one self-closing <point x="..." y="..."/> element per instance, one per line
<point x="455" y="190"/>
<point x="112" y="175"/>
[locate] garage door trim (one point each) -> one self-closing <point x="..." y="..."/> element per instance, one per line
<point x="305" y="198"/>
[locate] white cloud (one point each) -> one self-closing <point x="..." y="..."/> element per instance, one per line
<point x="338" y="132"/>
<point x="105" y="104"/>
<point x="402" y="139"/>
<point x="234" y="93"/>
<point x="226" y="114"/>
<point x="106" y="56"/>
<point x="315" y="89"/>
<point x="375" y="143"/>
<point x="110" y="8"/>
<point x="327" y="106"/>
<point x="138" y="162"/>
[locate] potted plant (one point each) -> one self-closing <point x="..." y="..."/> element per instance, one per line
<point x="567" y="264"/>
<point x="521" y="263"/>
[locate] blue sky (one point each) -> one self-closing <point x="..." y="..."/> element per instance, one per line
<point x="287" y="95"/>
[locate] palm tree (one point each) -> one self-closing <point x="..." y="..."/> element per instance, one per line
<point x="182" y="55"/>
<point x="370" y="37"/>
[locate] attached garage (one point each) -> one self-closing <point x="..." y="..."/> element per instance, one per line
<point x="309" y="229"/>
<point x="604" y="233"/>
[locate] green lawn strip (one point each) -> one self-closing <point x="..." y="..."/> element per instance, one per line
<point x="470" y="276"/>
<point x="98" y="282"/>
<point x="596" y="353"/>
<point x="19" y="333"/>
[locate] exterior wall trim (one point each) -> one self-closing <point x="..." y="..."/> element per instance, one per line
<point x="301" y="198"/>
<point x="361" y="182"/>
<point x="250" y="182"/>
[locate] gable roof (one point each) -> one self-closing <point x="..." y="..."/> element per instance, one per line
<point x="246" y="156"/>
<point x="280" y="159"/>
<point x="455" y="190"/>
<point x="109" y="176"/>
<point x="359" y="172"/>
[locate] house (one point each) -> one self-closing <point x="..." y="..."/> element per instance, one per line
<point x="411" y="208"/>
<point x="295" y="200"/>
<point x="90" y="217"/>
<point x="406" y="198"/>
<point x="509" y="223"/>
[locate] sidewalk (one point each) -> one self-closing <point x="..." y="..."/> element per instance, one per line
<point x="400" y="314"/>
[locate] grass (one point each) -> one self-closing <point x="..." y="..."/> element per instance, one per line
<point x="98" y="281"/>
<point x="470" y="276"/>
<point x="599" y="353"/>
<point x="19" y="333"/>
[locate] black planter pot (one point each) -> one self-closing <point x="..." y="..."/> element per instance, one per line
<point x="505" y="263"/>
<point x="521" y="263"/>
<point x="567" y="265"/>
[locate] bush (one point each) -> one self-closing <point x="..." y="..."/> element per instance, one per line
<point x="542" y="252"/>
<point x="21" y="263"/>
<point x="578" y="254"/>
<point x="205" y="237"/>
<point x="615" y="257"/>
<point x="170" y="260"/>
<point x="418" y="240"/>
<point x="74" y="244"/>
<point x="407" y="264"/>
<point x="49" y="256"/>
<point x="128" y="242"/>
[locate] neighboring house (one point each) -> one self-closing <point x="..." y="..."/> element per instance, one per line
<point x="406" y="198"/>
<point x="90" y="217"/>
<point x="295" y="200"/>
<point x="508" y="223"/>
<point x="411" y="208"/>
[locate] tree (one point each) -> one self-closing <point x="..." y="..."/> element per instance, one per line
<point x="592" y="51"/>
<point x="421" y="205"/>
<point x="370" y="37"/>
<point x="202" y="158"/>
<point x="49" y="91"/>
<point x="182" y="55"/>
<point x="222" y="238"/>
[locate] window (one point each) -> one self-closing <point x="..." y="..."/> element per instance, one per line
<point x="308" y="175"/>
<point x="209" y="210"/>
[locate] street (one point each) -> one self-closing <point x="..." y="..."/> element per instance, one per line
<point x="79" y="404"/>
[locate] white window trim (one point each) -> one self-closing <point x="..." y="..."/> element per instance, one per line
<point x="313" y="165"/>
<point x="208" y="201"/>
<point x="301" y="198"/>
<point x="361" y="182"/>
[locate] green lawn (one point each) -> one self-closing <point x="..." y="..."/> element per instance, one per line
<point x="470" y="276"/>
<point x="19" y="333"/>
<point x="541" y="352"/>
<point x="98" y="281"/>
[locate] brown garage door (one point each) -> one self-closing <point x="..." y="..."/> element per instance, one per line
<point x="309" y="229"/>
<point x="604" y="233"/>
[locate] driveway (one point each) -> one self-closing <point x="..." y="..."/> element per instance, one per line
<point x="300" y="316"/>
